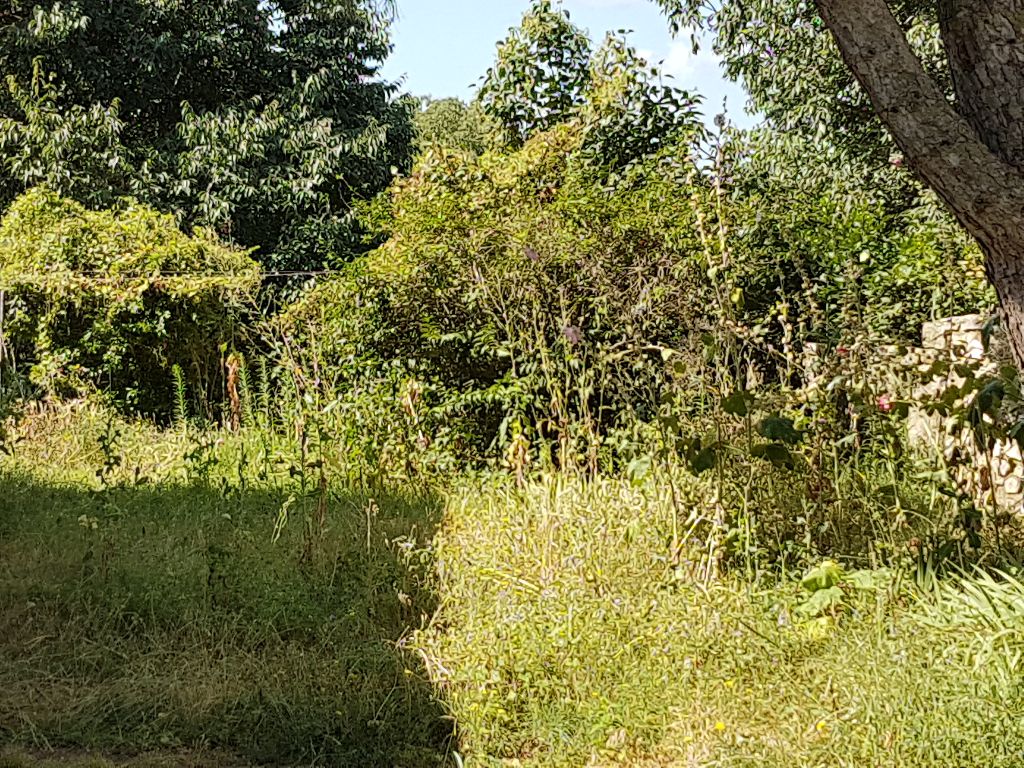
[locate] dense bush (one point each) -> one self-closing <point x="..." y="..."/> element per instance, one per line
<point x="526" y="300"/>
<point x="452" y="124"/>
<point x="850" y="250"/>
<point x="110" y="300"/>
<point x="612" y="267"/>
<point x="549" y="302"/>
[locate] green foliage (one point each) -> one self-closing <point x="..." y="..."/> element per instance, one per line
<point x="522" y="297"/>
<point x="822" y="122"/>
<point x="546" y="75"/>
<point x="831" y="590"/>
<point x="77" y="148"/>
<point x="451" y="124"/>
<point x="111" y="300"/>
<point x="560" y="621"/>
<point x="985" y="610"/>
<point x="540" y="75"/>
<point x="849" y="247"/>
<point x="180" y="397"/>
<point x="576" y="620"/>
<point x="566" y="300"/>
<point x="709" y="328"/>
<point x="788" y="62"/>
<point x="274" y="121"/>
<point x="629" y="113"/>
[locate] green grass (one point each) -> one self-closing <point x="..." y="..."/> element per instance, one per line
<point x="202" y="758"/>
<point x="151" y="618"/>
<point x="160" y="616"/>
<point x="566" y="639"/>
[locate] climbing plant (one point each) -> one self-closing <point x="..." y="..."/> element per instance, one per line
<point x="110" y="300"/>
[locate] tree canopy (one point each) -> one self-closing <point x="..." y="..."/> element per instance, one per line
<point x="942" y="80"/>
<point x="539" y="76"/>
<point x="263" y="120"/>
<point x="547" y="73"/>
<point x="786" y="58"/>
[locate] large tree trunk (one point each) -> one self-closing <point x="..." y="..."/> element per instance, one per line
<point x="973" y="158"/>
<point x="985" y="50"/>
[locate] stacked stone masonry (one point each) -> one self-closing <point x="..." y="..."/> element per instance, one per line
<point x="996" y="477"/>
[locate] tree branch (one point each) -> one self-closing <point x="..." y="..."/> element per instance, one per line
<point x="985" y="193"/>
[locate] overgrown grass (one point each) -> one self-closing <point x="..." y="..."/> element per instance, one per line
<point x="199" y="758"/>
<point x="140" y="613"/>
<point x="157" y="608"/>
<point x="567" y="638"/>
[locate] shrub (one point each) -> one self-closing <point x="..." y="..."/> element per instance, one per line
<point x="452" y="124"/>
<point x="113" y="299"/>
<point x="523" y="298"/>
<point x="850" y="250"/>
<point x="551" y="305"/>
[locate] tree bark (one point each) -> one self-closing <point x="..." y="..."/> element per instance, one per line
<point x="985" y="49"/>
<point x="970" y="160"/>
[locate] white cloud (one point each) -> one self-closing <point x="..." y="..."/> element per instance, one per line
<point x="681" y="62"/>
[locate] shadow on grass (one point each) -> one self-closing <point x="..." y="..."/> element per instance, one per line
<point x="164" y="618"/>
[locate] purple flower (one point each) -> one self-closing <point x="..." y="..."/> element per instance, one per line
<point x="532" y="255"/>
<point x="573" y="334"/>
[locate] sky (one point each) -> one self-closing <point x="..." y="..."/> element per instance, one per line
<point x="443" y="47"/>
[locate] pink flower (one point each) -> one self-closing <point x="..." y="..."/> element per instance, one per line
<point x="573" y="335"/>
<point x="885" y="403"/>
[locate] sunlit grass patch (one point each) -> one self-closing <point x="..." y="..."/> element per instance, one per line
<point x="566" y="637"/>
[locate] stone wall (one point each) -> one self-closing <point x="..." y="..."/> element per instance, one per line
<point x="997" y="477"/>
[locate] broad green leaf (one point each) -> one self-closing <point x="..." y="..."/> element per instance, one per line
<point x="822" y="601"/>
<point x="779" y="429"/>
<point x="738" y="403"/>
<point x="776" y="453"/>
<point x="825" y="575"/>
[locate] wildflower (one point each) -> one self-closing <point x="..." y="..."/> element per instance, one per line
<point x="720" y="726"/>
<point x="885" y="404"/>
<point x="821" y="726"/>
<point x="573" y="335"/>
<point x="843" y="351"/>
